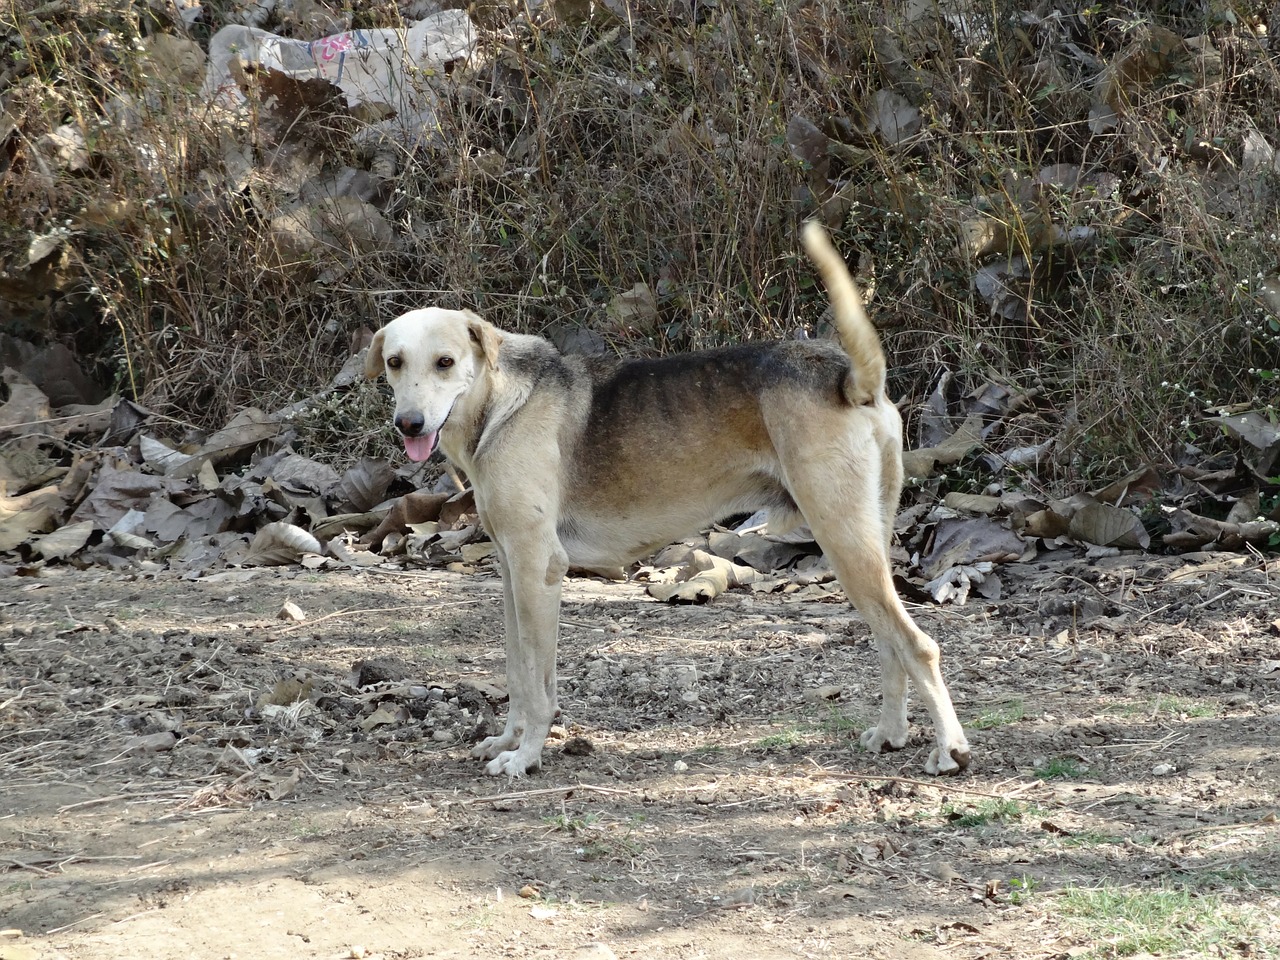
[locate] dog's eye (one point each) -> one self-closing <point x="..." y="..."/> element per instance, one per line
<point x="444" y="363"/>
<point x="394" y="363"/>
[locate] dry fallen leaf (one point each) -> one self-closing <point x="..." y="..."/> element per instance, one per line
<point x="64" y="541"/>
<point x="636" y="308"/>
<point x="893" y="117"/>
<point x="1108" y="526"/>
<point x="385" y="715"/>
<point x="161" y="457"/>
<point x="365" y="485"/>
<point x="280" y="543"/>
<point x="26" y="407"/>
<point x="151" y="743"/>
<point x="280" y="787"/>
<point x="29" y="513"/>
<point x="961" y="541"/>
<point x="705" y="578"/>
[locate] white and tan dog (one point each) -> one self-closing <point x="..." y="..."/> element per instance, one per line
<point x="597" y="462"/>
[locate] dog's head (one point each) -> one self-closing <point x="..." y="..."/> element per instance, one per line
<point x="431" y="358"/>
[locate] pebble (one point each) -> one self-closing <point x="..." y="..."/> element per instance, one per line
<point x="594" y="951"/>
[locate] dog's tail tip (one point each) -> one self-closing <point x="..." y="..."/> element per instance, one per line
<point x="817" y="244"/>
<point x="857" y="335"/>
<point x="814" y="236"/>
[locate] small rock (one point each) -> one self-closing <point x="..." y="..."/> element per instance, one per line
<point x="679" y="766"/>
<point x="1163" y="769"/>
<point x="291" y="611"/>
<point x="684" y="676"/>
<point x="745" y="897"/>
<point x="594" y="951"/>
<point x="381" y="670"/>
<point x="578" y="747"/>
<point x="830" y="691"/>
<point x="944" y="871"/>
<point x="152" y="743"/>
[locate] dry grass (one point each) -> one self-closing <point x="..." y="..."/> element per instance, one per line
<point x="576" y="159"/>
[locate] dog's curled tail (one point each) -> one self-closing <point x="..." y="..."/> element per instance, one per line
<point x="857" y="335"/>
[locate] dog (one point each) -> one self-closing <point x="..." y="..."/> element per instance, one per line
<point x="597" y="462"/>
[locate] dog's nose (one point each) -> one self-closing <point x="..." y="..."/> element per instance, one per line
<point x="410" y="424"/>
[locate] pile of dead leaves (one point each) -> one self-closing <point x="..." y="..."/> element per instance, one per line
<point x="97" y="484"/>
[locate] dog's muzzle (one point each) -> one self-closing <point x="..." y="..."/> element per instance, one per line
<point x="418" y="446"/>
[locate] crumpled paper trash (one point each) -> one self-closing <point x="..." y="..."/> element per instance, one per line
<point x="368" y="66"/>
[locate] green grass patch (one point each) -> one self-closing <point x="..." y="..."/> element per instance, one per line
<point x="1061" y="768"/>
<point x="1233" y="876"/>
<point x="826" y="722"/>
<point x="836" y="723"/>
<point x="780" y="740"/>
<point x="986" y="812"/>
<point x="1021" y="888"/>
<point x="1123" y="922"/>
<point x="1168" y="706"/>
<point x="1094" y="838"/>
<point x="565" y="823"/>
<point x="1181" y="707"/>
<point x="999" y="716"/>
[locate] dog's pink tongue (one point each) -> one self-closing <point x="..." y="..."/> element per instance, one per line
<point x="419" y="448"/>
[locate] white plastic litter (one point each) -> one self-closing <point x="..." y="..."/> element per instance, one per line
<point x="368" y="66"/>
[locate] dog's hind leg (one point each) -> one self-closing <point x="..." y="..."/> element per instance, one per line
<point x="533" y="567"/>
<point x="826" y="486"/>
<point x="905" y="650"/>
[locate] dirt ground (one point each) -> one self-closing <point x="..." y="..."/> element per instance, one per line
<point x="184" y="774"/>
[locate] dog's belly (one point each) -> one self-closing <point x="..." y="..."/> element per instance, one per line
<point x="595" y="538"/>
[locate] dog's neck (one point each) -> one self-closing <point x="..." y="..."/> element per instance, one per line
<point x="477" y="416"/>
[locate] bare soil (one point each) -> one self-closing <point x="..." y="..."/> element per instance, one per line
<point x="705" y="796"/>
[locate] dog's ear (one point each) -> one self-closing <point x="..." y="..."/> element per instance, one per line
<point x="374" y="364"/>
<point x="485" y="334"/>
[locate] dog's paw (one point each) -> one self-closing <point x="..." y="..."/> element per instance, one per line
<point x="953" y="760"/>
<point x="878" y="740"/>
<point x="514" y="763"/>
<point x="491" y="747"/>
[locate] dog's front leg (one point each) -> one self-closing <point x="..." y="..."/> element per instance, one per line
<point x="509" y="739"/>
<point x="533" y="567"/>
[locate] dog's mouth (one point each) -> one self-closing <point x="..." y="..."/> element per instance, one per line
<point x="420" y="448"/>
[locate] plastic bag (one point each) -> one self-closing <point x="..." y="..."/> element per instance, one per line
<point x="368" y="66"/>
